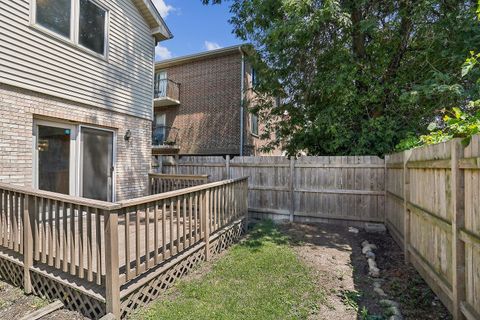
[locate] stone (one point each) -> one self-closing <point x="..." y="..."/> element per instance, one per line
<point x="375" y="228"/>
<point x="380" y="292"/>
<point x="353" y="230"/>
<point x="375" y="272"/>
<point x="386" y="303"/>
<point x="369" y="247"/>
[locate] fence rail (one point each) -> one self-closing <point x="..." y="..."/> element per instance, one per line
<point x="160" y="183"/>
<point x="433" y="212"/>
<point x="109" y="244"/>
<point x="333" y="188"/>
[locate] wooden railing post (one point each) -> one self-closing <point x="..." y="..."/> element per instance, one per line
<point x="28" y="245"/>
<point x="292" y="188"/>
<point x="458" y="222"/>
<point x="177" y="158"/>
<point x="206" y="223"/>
<point x="112" y="280"/>
<point x="406" y="199"/>
<point x="228" y="174"/>
<point x="160" y="164"/>
<point x="150" y="191"/>
<point x="245" y="202"/>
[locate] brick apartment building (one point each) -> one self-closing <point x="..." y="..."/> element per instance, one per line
<point x="201" y="105"/>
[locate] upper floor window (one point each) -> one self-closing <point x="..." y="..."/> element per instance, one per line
<point x="254" y="124"/>
<point x="91" y="26"/>
<point x="55" y="15"/>
<point x="254" y="77"/>
<point x="82" y="22"/>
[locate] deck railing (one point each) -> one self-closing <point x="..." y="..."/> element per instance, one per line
<point x="160" y="183"/>
<point x="110" y="244"/>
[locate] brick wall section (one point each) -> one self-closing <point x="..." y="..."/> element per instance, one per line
<point x="209" y="112"/>
<point x="19" y="107"/>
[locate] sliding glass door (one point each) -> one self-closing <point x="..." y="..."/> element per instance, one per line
<point x="74" y="160"/>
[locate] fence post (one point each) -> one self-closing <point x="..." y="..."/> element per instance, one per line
<point x="406" y="199"/>
<point x="227" y="167"/>
<point x="206" y="223"/>
<point x="112" y="280"/>
<point x="458" y="222"/>
<point x="149" y="185"/>
<point x="28" y="245"/>
<point x="292" y="188"/>
<point x="245" y="199"/>
<point x="160" y="164"/>
<point x="385" y="188"/>
<point x="176" y="163"/>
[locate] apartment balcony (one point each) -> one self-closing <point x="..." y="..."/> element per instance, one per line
<point x="166" y="93"/>
<point x="164" y="140"/>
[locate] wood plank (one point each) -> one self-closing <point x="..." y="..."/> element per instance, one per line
<point x="430" y="164"/>
<point x="472" y="163"/>
<point x="431" y="217"/>
<point x="458" y="223"/>
<point x="42" y="312"/>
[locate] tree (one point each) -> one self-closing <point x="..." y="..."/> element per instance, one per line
<point x="356" y="76"/>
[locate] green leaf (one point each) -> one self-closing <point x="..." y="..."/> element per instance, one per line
<point x="432" y="126"/>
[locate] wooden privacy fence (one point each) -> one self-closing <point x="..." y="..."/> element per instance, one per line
<point x="159" y="183"/>
<point x="317" y="188"/>
<point x="433" y="212"/>
<point x="107" y="250"/>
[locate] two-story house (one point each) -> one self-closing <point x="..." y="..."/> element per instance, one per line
<point x="76" y="87"/>
<point x="201" y="104"/>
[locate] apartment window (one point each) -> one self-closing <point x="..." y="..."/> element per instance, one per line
<point x="254" y="125"/>
<point x="254" y="78"/>
<point x="80" y="22"/>
<point x="91" y="26"/>
<point x="55" y="15"/>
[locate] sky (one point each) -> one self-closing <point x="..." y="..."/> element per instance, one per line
<point x="195" y="28"/>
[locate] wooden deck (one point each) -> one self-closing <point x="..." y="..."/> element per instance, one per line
<point x="85" y="251"/>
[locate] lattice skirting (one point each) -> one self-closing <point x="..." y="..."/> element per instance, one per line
<point x="11" y="272"/>
<point x="152" y="290"/>
<point x="224" y="238"/>
<point x="73" y="299"/>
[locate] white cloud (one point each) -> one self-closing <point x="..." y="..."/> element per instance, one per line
<point x="162" y="53"/>
<point x="163" y="8"/>
<point x="211" y="45"/>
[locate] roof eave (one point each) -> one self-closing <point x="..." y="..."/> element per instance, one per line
<point x="159" y="28"/>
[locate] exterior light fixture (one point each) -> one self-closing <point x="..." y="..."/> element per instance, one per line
<point x="128" y="135"/>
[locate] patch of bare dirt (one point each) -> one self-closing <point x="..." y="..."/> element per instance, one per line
<point x="15" y="304"/>
<point x="342" y="272"/>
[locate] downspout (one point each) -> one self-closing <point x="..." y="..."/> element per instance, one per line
<point x="242" y="101"/>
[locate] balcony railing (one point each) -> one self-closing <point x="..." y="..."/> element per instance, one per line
<point x="164" y="136"/>
<point x="166" y="92"/>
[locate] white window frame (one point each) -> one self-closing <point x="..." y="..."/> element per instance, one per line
<point x="73" y="40"/>
<point x="76" y="156"/>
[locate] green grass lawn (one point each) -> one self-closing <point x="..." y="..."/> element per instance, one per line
<point x="260" y="278"/>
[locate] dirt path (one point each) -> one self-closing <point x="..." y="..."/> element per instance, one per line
<point x="342" y="271"/>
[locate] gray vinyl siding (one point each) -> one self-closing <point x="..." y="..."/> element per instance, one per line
<point x="34" y="60"/>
